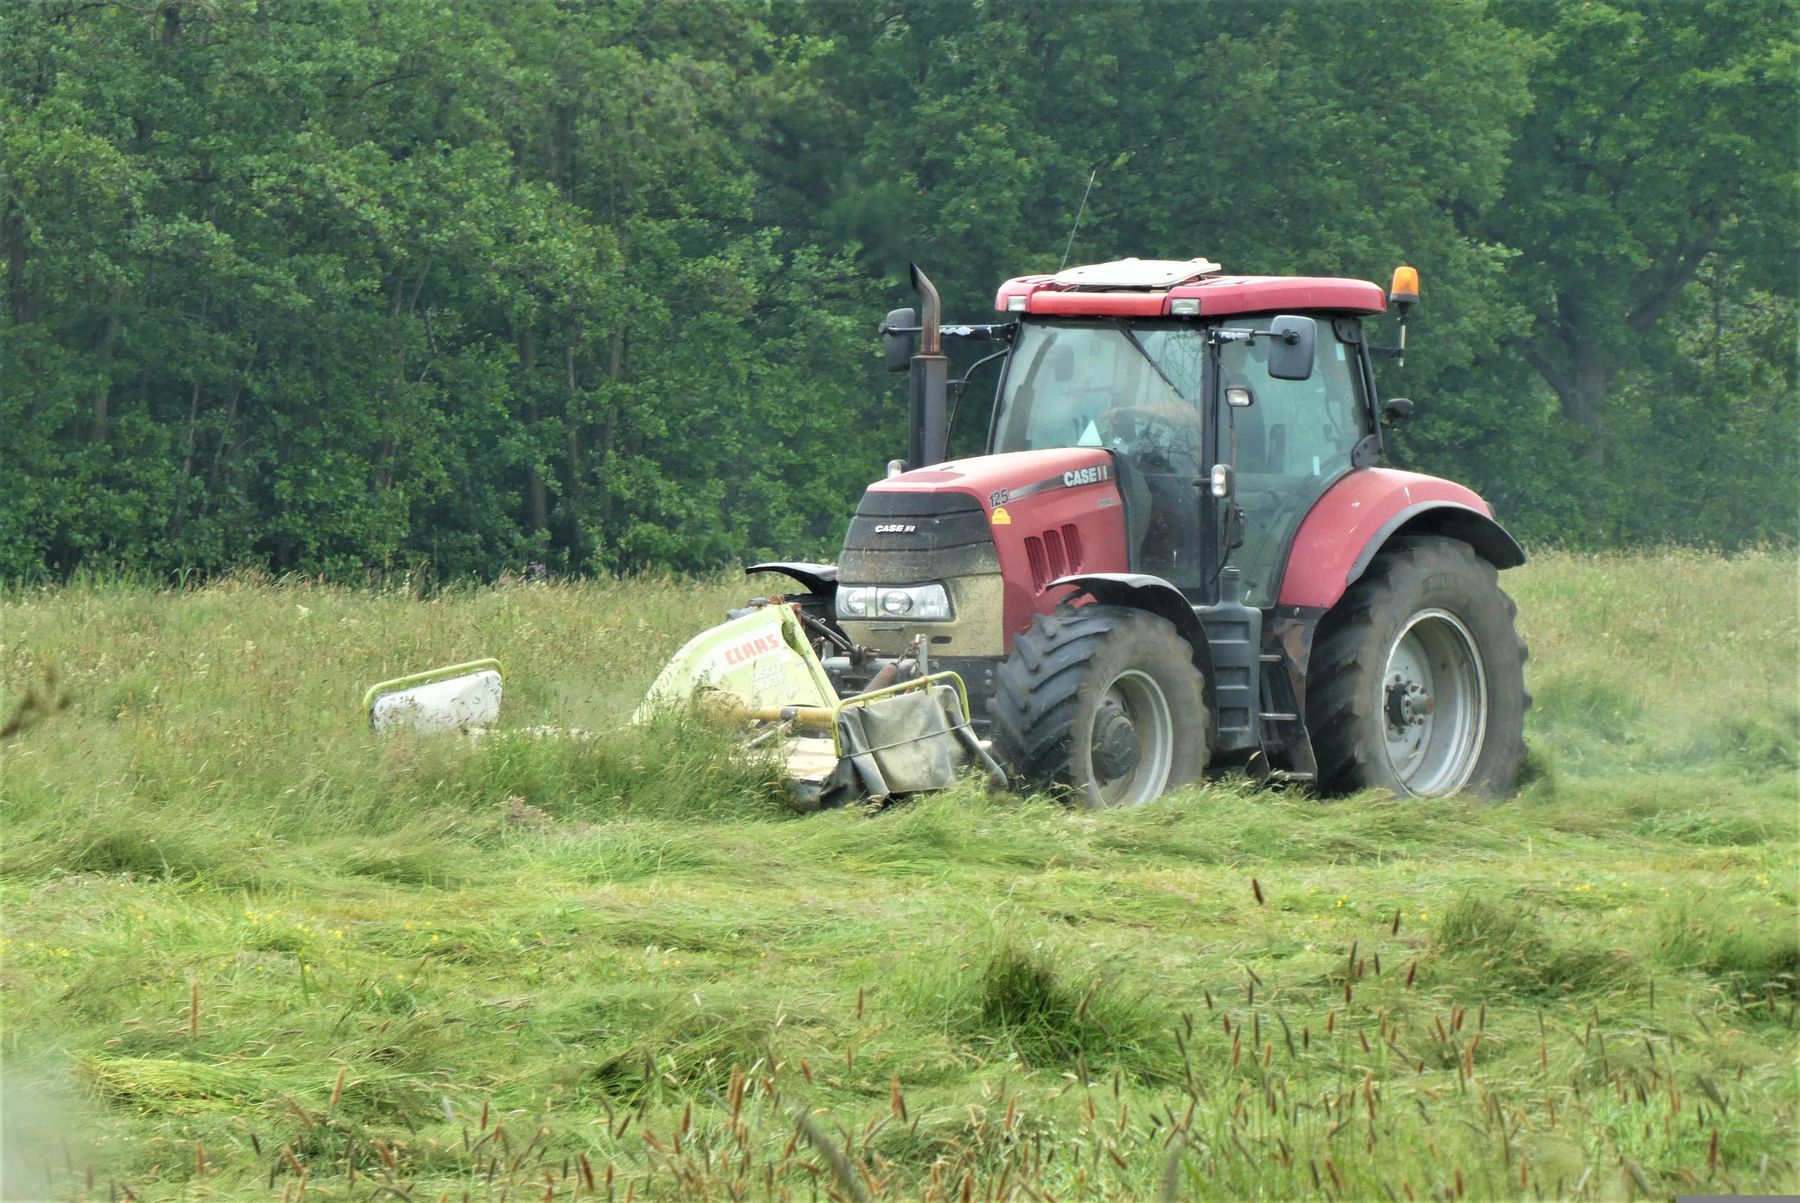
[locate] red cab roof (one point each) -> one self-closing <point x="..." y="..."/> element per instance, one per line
<point x="1089" y="292"/>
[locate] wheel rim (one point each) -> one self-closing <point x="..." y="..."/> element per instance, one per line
<point x="1433" y="698"/>
<point x="1131" y="746"/>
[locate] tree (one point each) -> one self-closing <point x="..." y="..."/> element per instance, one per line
<point x="1661" y="139"/>
<point x="344" y="285"/>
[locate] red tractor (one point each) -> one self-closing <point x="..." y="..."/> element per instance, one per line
<point x="1181" y="549"/>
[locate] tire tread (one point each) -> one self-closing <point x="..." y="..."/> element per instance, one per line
<point x="1342" y="717"/>
<point x="1037" y="688"/>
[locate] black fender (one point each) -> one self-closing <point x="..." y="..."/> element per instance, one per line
<point x="1153" y="595"/>
<point x="820" y="579"/>
<point x="1450" y="520"/>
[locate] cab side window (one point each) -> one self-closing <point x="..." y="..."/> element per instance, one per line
<point x="1292" y="443"/>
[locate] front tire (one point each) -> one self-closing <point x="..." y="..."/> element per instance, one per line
<point x="1416" y="683"/>
<point x="1102" y="700"/>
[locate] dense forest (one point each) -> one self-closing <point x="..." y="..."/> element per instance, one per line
<point x="328" y="286"/>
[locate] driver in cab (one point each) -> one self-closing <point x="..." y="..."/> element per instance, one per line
<point x="1147" y="418"/>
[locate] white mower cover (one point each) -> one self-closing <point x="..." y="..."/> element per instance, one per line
<point x="459" y="697"/>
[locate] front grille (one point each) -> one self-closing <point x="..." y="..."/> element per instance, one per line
<point x="907" y="538"/>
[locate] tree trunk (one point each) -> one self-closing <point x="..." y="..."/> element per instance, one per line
<point x="562" y="149"/>
<point x="402" y="304"/>
<point x="621" y="193"/>
<point x="572" y="449"/>
<point x="1585" y="402"/>
<point x="178" y="513"/>
<point x="537" y="494"/>
<point x="228" y="428"/>
<point x="1582" y="394"/>
<point x="103" y="398"/>
<point x="193" y="425"/>
<point x="1572" y="363"/>
<point x="609" y="426"/>
<point x="1571" y="356"/>
<point x="12" y="239"/>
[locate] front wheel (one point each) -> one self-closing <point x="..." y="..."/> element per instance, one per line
<point x="1416" y="683"/>
<point x="1105" y="701"/>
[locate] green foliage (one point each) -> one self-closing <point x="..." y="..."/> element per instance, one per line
<point x="1649" y="196"/>
<point x="341" y="288"/>
<point x="344" y="288"/>
<point x="1503" y="944"/>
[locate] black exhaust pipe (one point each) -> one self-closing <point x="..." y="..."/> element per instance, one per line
<point x="928" y="387"/>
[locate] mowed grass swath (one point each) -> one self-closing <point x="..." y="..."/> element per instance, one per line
<point x="252" y="952"/>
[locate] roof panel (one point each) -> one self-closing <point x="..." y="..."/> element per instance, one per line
<point x="1135" y="273"/>
<point x="1218" y="295"/>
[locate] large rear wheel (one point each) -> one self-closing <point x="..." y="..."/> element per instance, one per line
<point x="1416" y="683"/>
<point x="1103" y="700"/>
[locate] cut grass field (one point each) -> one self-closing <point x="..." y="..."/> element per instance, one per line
<point x="250" y="951"/>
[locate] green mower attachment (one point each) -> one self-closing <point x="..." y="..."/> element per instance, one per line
<point x="757" y="672"/>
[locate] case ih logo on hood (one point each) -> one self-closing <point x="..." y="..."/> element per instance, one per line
<point x="743" y="653"/>
<point x="1091" y="475"/>
<point x="895" y="528"/>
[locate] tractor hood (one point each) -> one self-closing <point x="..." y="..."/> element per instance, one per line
<point x="1001" y="482"/>
<point x="995" y="530"/>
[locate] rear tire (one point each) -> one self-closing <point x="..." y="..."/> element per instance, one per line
<point x="1417" y="681"/>
<point x="1104" y="701"/>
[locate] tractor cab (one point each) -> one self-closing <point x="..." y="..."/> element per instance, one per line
<point x="1167" y="366"/>
<point x="1149" y="391"/>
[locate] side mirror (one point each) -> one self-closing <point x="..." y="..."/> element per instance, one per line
<point x="1295" y="338"/>
<point x="1396" y="410"/>
<point x="1223" y="481"/>
<point x="896" y="346"/>
<point x="1239" y="396"/>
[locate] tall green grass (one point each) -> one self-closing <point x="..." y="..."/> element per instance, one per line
<point x="248" y="947"/>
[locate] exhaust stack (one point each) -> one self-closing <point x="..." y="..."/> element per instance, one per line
<point x="927" y="387"/>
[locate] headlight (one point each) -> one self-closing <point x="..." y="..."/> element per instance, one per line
<point x="927" y="602"/>
<point x="854" y="602"/>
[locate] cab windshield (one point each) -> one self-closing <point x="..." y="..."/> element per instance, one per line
<point x="1133" y="387"/>
<point x="1136" y="388"/>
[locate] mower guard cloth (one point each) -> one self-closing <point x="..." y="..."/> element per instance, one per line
<point x="457" y="697"/>
<point x="913" y="739"/>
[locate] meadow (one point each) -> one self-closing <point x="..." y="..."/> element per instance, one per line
<point x="251" y="951"/>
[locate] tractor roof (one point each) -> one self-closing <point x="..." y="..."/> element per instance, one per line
<point x="1151" y="288"/>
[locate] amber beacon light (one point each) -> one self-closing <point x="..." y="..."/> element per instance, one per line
<point x="1405" y="288"/>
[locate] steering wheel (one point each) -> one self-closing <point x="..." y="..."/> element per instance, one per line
<point x="1144" y="434"/>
